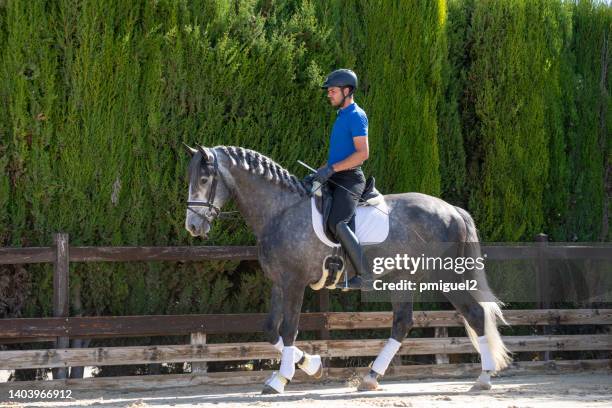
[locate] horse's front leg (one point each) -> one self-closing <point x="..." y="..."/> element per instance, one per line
<point x="309" y="363"/>
<point x="292" y="297"/>
<point x="402" y="323"/>
<point x="275" y="318"/>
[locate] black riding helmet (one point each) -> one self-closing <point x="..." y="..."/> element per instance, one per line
<point x="341" y="78"/>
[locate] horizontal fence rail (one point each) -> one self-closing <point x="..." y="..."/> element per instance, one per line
<point x="169" y="325"/>
<point x="258" y="350"/>
<point x="10" y="255"/>
<point x="129" y="254"/>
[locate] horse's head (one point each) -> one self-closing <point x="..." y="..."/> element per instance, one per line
<point x="207" y="191"/>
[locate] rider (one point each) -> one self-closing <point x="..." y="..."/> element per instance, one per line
<point x="348" y="149"/>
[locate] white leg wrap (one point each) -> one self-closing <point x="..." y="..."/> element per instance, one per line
<point x="279" y="344"/>
<point x="297" y="354"/>
<point x="488" y="363"/>
<point x="311" y="364"/>
<point x="277" y="382"/>
<point x="287" y="366"/>
<point x="384" y="357"/>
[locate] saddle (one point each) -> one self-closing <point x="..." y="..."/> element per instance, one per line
<point x="333" y="267"/>
<point x="323" y="199"/>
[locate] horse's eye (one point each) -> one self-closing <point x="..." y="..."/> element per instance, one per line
<point x="203" y="180"/>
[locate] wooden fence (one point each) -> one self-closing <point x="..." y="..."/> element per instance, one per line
<point x="62" y="327"/>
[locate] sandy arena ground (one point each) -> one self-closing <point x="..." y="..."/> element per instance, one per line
<point x="553" y="391"/>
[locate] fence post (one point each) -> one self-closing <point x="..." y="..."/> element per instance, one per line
<point x="543" y="282"/>
<point x="61" y="287"/>
<point x="324" y="307"/>
<point x="198" y="367"/>
<point x="441" y="332"/>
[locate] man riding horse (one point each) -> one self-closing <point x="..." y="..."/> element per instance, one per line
<point x="348" y="149"/>
<point x="278" y="209"/>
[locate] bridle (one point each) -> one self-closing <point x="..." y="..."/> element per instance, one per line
<point x="213" y="211"/>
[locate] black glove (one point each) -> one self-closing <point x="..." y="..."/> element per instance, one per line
<point x="307" y="182"/>
<point x="324" y="173"/>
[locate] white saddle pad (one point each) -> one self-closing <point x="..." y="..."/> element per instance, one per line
<point x="371" y="224"/>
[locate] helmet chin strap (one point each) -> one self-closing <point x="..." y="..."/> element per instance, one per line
<point x="344" y="96"/>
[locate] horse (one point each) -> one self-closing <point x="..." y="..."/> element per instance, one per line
<point x="277" y="208"/>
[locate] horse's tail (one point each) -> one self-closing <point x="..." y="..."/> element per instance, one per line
<point x="491" y="305"/>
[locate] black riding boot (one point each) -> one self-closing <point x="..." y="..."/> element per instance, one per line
<point x="364" y="279"/>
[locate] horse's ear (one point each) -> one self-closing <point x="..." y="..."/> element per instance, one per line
<point x="190" y="150"/>
<point x="206" y="155"/>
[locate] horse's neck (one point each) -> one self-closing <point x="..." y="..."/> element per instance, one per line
<point x="258" y="199"/>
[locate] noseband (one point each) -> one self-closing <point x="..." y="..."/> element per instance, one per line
<point x="213" y="211"/>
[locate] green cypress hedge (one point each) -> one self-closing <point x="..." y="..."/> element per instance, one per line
<point x="591" y="149"/>
<point x="506" y="80"/>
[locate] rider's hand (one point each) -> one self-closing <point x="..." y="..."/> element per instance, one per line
<point x="324" y="173"/>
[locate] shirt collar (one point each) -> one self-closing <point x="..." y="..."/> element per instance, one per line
<point x="349" y="108"/>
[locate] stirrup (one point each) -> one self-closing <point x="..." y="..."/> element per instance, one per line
<point x="358" y="283"/>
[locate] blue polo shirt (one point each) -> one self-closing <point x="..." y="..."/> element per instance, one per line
<point x="351" y="121"/>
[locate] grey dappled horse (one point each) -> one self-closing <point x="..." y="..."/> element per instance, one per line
<point x="277" y="207"/>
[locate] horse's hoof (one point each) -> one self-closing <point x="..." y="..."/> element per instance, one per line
<point x="319" y="372"/>
<point x="269" y="390"/>
<point x="275" y="384"/>
<point x="480" y="386"/>
<point x="368" y="383"/>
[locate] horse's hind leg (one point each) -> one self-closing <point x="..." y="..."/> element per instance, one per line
<point x="480" y="320"/>
<point x="402" y="323"/>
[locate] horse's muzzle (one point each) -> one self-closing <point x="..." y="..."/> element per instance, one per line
<point x="196" y="231"/>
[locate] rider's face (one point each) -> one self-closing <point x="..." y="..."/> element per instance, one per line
<point x="334" y="94"/>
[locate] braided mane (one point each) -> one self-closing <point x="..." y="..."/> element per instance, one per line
<point x="258" y="164"/>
